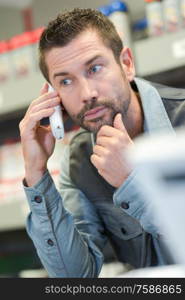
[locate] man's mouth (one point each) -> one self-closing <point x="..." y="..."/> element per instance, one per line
<point x="95" y="113"/>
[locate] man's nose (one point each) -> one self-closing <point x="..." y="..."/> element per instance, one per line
<point x="88" y="91"/>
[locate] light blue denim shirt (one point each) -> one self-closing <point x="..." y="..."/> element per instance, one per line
<point x="66" y="245"/>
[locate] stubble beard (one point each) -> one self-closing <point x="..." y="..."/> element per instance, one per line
<point x="114" y="106"/>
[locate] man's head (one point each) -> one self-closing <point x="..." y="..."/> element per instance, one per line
<point x="69" y="25"/>
<point x="81" y="55"/>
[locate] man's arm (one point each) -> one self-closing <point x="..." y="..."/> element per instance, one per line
<point x="37" y="141"/>
<point x="64" y="250"/>
<point x="68" y="245"/>
<point x="131" y="198"/>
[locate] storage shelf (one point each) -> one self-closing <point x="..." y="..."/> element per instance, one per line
<point x="18" y="94"/>
<point x="152" y="56"/>
<point x="159" y="54"/>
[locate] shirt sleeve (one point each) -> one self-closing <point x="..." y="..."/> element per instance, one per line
<point x="69" y="241"/>
<point x="131" y="198"/>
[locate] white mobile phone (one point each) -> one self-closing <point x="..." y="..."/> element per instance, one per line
<point x="56" y="120"/>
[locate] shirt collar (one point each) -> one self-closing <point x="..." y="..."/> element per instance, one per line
<point x="155" y="115"/>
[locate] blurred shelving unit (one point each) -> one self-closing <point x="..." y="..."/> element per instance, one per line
<point x="17" y="94"/>
<point x="152" y="56"/>
<point x="162" y="58"/>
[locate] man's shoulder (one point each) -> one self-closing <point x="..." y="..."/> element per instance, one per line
<point x="173" y="100"/>
<point x="174" y="103"/>
<point x="168" y="92"/>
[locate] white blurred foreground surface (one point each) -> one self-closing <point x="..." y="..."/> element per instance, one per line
<point x="171" y="271"/>
<point x="160" y="160"/>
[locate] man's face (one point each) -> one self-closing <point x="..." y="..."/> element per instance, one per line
<point x="93" y="87"/>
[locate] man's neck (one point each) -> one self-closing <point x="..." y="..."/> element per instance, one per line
<point x="135" y="121"/>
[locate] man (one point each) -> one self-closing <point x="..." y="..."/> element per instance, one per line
<point x="93" y="75"/>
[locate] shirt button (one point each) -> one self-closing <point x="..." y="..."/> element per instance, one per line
<point x="50" y="242"/>
<point x="125" y="205"/>
<point x="38" y="199"/>
<point x="123" y="230"/>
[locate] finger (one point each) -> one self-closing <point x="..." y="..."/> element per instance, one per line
<point x="46" y="104"/>
<point x="103" y="141"/>
<point x="41" y="99"/>
<point x="118" y="123"/>
<point x="99" y="150"/>
<point x="108" y="131"/>
<point x="33" y="120"/>
<point x="102" y="172"/>
<point x="96" y="161"/>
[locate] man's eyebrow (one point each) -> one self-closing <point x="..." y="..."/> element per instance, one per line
<point x="92" y="59"/>
<point x="86" y="64"/>
<point x="60" y="74"/>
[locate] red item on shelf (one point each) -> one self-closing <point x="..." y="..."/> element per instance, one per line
<point x="148" y="1"/>
<point x="21" y="40"/>
<point x="5" y="69"/>
<point x="4" y="47"/>
<point x="24" y="39"/>
<point x="36" y="34"/>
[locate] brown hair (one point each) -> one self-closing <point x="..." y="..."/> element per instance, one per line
<point x="68" y="25"/>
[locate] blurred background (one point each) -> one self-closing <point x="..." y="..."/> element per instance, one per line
<point x="154" y="30"/>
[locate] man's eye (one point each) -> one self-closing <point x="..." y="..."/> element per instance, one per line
<point x="66" y="81"/>
<point x="95" y="69"/>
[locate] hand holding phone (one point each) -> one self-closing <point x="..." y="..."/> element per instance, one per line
<point x="56" y="120"/>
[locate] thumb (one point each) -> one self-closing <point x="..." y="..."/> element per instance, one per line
<point x="118" y="122"/>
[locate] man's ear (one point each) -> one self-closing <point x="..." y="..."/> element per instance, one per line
<point x="127" y="63"/>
